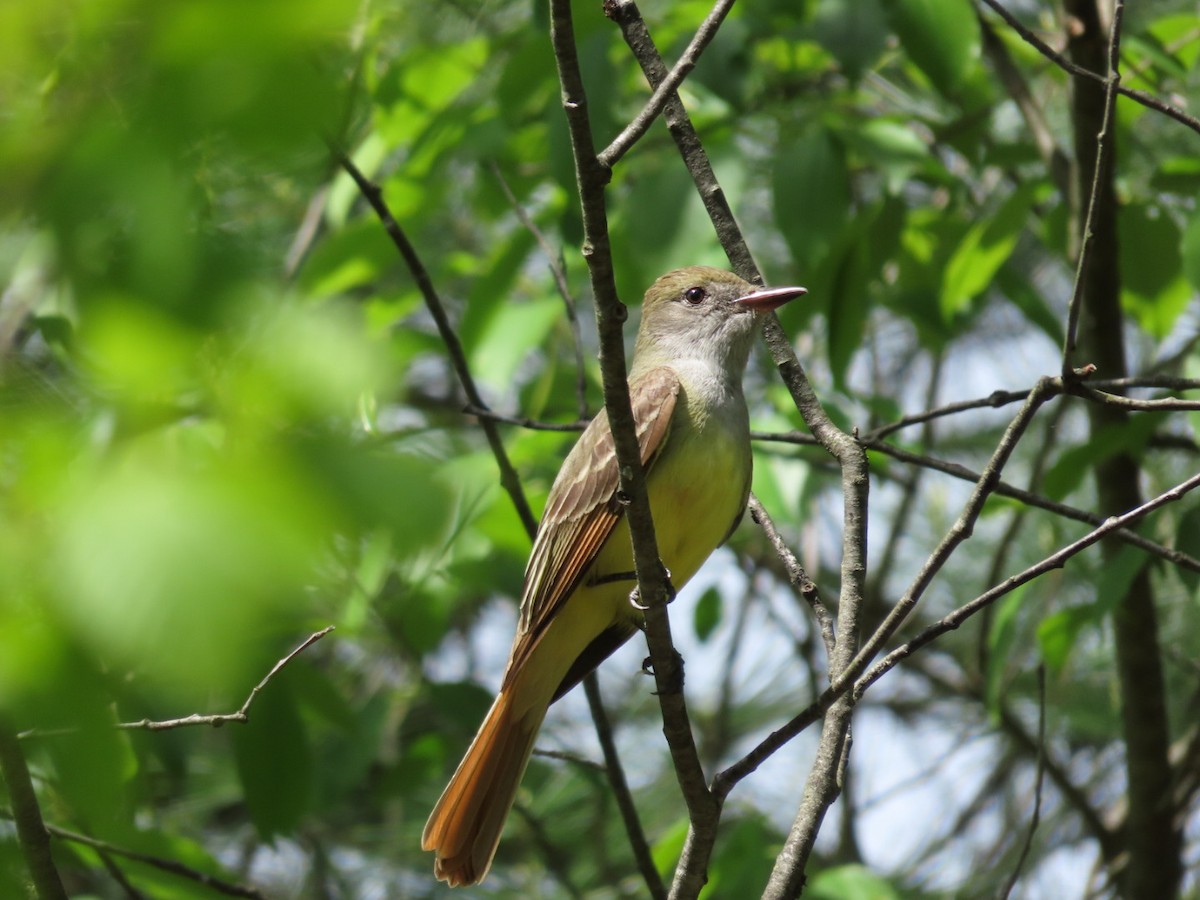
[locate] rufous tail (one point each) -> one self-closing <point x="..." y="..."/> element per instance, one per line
<point x="464" y="827"/>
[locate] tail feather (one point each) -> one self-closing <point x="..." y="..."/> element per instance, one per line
<point x="465" y="825"/>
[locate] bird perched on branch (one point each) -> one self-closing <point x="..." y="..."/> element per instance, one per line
<point x="693" y="431"/>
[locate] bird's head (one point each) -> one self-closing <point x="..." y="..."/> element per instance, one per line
<point x="704" y="313"/>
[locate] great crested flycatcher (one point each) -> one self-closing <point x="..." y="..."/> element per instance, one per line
<point x="693" y="430"/>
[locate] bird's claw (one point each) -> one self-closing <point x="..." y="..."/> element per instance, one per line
<point x="635" y="597"/>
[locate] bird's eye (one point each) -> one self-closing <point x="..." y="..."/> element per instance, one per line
<point x="695" y="295"/>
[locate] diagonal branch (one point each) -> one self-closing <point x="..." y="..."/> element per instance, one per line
<point x="624" y="797"/>
<point x="32" y="835"/>
<point x="553" y="260"/>
<point x="1145" y="99"/>
<point x="458" y="358"/>
<point x="666" y="88"/>
<point x="1056" y="560"/>
<point x="166" y="865"/>
<point x="216" y="720"/>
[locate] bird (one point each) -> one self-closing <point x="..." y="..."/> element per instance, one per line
<point x="693" y="430"/>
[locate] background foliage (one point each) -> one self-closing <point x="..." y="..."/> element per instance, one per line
<point x="227" y="421"/>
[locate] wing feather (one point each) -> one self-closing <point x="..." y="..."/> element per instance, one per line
<point x="582" y="509"/>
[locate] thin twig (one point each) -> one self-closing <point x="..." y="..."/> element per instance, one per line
<point x="1148" y="100"/>
<point x="666" y="88"/>
<point x="526" y="422"/>
<point x="1054" y="561"/>
<point x="1003" y="489"/>
<point x="1037" y="787"/>
<point x="371" y="192"/>
<point x="243" y="714"/>
<point x="1101" y="387"/>
<point x="1161" y="404"/>
<point x="572" y="758"/>
<point x="216" y="720"/>
<point x="616" y="777"/>
<point x="158" y="862"/>
<point x="1104" y="144"/>
<point x="553" y="260"/>
<point x="1053" y="157"/>
<point x="803" y="585"/>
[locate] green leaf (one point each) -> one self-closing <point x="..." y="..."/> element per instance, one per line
<point x="848" y="310"/>
<point x="669" y="846"/>
<point x="742" y="860"/>
<point x="512" y="333"/>
<point x="855" y="33"/>
<point x="811" y="195"/>
<point x="1190" y="250"/>
<point x="1075" y="464"/>
<point x="1006" y="625"/>
<point x="1152" y="285"/>
<point x="940" y="36"/>
<point x="850" y="882"/>
<point x="274" y="761"/>
<point x="985" y="247"/>
<point x="1059" y="632"/>
<point x="707" y="615"/>
<point x="1188" y="541"/>
<point x="351" y="257"/>
<point x="892" y="147"/>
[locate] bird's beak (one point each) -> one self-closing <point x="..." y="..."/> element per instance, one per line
<point x="769" y="298"/>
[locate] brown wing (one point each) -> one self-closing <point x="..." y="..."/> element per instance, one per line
<point x="582" y="509"/>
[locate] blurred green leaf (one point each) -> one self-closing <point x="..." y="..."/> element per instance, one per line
<point x="940" y="36"/>
<point x="707" y="615"/>
<point x="742" y="862"/>
<point x="1002" y="637"/>
<point x="854" y="32"/>
<point x="1190" y="251"/>
<point x="274" y="760"/>
<point x="1059" y="632"/>
<point x="985" y="247"/>
<point x="1077" y="463"/>
<point x="850" y="882"/>
<point x="811" y="195"/>
<point x="1188" y="542"/>
<point x="1153" y="287"/>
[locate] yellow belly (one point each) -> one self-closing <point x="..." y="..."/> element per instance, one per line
<point x="697" y="489"/>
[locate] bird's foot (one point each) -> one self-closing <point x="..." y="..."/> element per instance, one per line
<point x="672" y="682"/>
<point x="635" y="596"/>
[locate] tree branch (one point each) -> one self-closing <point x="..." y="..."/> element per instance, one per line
<point x="158" y="862"/>
<point x="1055" y="560"/>
<point x="803" y="585"/>
<point x="1147" y="100"/>
<point x="216" y="720"/>
<point x="822" y="788"/>
<point x="374" y="196"/>
<point x="1037" y="787"/>
<point x="666" y="88"/>
<point x="31" y="831"/>
<point x="553" y="260"/>
<point x="616" y="777"/>
<point x="653" y="582"/>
